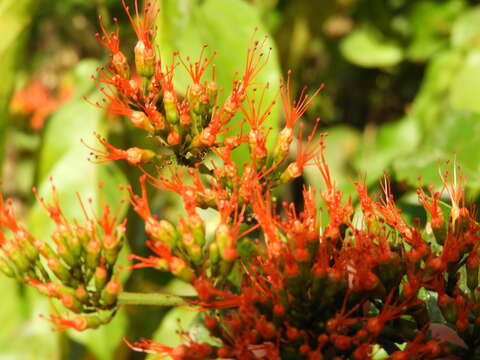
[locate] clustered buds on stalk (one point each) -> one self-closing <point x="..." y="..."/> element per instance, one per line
<point x="272" y="282"/>
<point x="76" y="265"/>
<point x="186" y="126"/>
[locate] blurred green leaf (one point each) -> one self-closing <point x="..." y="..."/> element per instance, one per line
<point x="431" y="22"/>
<point x="466" y="32"/>
<point x="175" y="320"/>
<point x="64" y="158"/>
<point x="465" y="86"/>
<point x="435" y="89"/>
<point x="366" y="47"/>
<point x="381" y="146"/>
<point x="15" y="17"/>
<point x="457" y="134"/>
<point x="103" y="341"/>
<point x="10" y="311"/>
<point x="28" y="340"/>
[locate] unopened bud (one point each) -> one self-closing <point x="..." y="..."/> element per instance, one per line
<point x="93" y="254"/>
<point x="282" y="146"/>
<point x="140" y="120"/>
<point x="16" y="256"/>
<point x="110" y="292"/>
<point x="137" y="156"/>
<point x="162" y="231"/>
<point x="197" y="227"/>
<point x="120" y="64"/>
<point x="101" y="277"/>
<point x="81" y="294"/>
<point x="59" y="270"/>
<point x="171" y="110"/>
<point x="212" y="91"/>
<point x="71" y="303"/>
<point x="6" y="268"/>
<point x="174" y="138"/>
<point x="144" y="60"/>
<point x="180" y="269"/>
<point x="291" y="172"/>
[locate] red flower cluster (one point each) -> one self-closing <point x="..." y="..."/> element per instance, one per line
<point x="273" y="282"/>
<point x="76" y="266"/>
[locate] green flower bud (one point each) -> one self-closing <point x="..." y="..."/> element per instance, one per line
<point x="144" y="60"/>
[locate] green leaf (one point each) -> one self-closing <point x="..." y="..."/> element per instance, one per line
<point x="32" y="337"/>
<point x="103" y="341"/>
<point x="175" y="320"/>
<point x="15" y="17"/>
<point x="457" y="134"/>
<point x="466" y="85"/>
<point x="382" y="146"/>
<point x="366" y="47"/>
<point x="430" y="101"/>
<point x="64" y="158"/>
<point x="466" y="33"/>
<point x="431" y="23"/>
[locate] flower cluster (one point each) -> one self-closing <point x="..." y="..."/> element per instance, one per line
<point x="76" y="265"/>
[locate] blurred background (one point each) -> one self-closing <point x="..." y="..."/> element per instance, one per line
<point x="402" y="81"/>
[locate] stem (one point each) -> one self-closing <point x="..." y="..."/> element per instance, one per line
<point x="156" y="299"/>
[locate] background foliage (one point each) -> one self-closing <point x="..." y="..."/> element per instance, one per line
<point x="402" y="82"/>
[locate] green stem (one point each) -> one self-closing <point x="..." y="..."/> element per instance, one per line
<point x="156" y="299"/>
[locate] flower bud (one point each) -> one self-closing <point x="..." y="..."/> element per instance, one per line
<point x="71" y="303"/>
<point x="25" y="241"/>
<point x="93" y="254"/>
<point x="120" y="64"/>
<point x="180" y="269"/>
<point x="112" y="245"/>
<point x="137" y="156"/>
<point x="110" y="292"/>
<point x="212" y="91"/>
<point x="140" y="120"/>
<point x="282" y="146"/>
<point x="197" y="226"/>
<point x="174" y="138"/>
<point x="84" y="322"/>
<point x="6" y="268"/>
<point x="162" y="231"/>
<point x="16" y="256"/>
<point x="213" y="253"/>
<point x="291" y="172"/>
<point x="144" y="59"/>
<point x="171" y="110"/>
<point x="100" y="278"/>
<point x="81" y="294"/>
<point x="60" y="271"/>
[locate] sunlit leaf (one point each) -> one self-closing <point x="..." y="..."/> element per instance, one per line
<point x="176" y="320"/>
<point x="381" y="146"/>
<point x="456" y="135"/>
<point x="466" y="32"/>
<point x="15" y="16"/>
<point x="367" y="48"/>
<point x="103" y="341"/>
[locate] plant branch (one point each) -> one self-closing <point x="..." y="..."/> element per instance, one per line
<point x="155" y="299"/>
